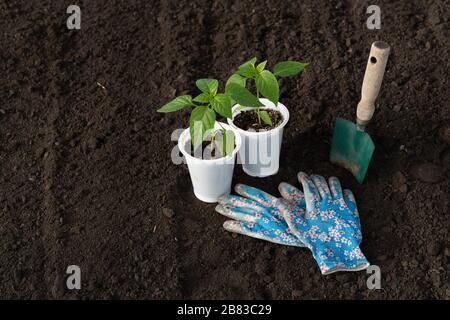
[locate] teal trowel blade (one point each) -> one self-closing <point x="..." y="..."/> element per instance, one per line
<point x="351" y="148"/>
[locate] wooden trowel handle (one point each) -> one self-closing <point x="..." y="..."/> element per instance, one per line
<point x="373" y="77"/>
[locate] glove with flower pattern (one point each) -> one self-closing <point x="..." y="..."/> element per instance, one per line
<point x="255" y="214"/>
<point x="330" y="225"/>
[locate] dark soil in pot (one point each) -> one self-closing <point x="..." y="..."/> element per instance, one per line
<point x="86" y="176"/>
<point x="248" y="120"/>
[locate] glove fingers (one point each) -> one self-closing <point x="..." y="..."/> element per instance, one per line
<point x="335" y="188"/>
<point x="255" y="231"/>
<point x="292" y="218"/>
<point x="237" y="201"/>
<point x="310" y="191"/>
<point x="256" y="194"/>
<point x="322" y="186"/>
<point x="357" y="267"/>
<point x="351" y="201"/>
<point x="291" y="193"/>
<point x="240" y="227"/>
<point x="331" y="261"/>
<point x="237" y="213"/>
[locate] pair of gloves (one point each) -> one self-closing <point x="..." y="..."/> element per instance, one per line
<point x="322" y="218"/>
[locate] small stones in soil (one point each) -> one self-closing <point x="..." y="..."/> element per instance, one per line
<point x="40" y="152"/>
<point x="403" y="188"/>
<point x="433" y="248"/>
<point x="399" y="182"/>
<point x="435" y="279"/>
<point x="18" y="276"/>
<point x="445" y="159"/>
<point x="382" y="257"/>
<point x="336" y="64"/>
<point x="72" y="143"/>
<point x="137" y="127"/>
<point x="428" y="172"/>
<point x="447" y="252"/>
<point x="168" y="212"/>
<point x="93" y="143"/>
<point x="296" y="294"/>
<point x="444" y="134"/>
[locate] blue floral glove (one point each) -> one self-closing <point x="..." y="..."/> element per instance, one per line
<point x="330" y="226"/>
<point x="256" y="214"/>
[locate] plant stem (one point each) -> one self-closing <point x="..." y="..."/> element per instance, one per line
<point x="257" y="109"/>
<point x="212" y="131"/>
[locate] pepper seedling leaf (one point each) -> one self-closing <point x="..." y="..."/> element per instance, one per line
<point x="242" y="96"/>
<point x="238" y="79"/>
<point x="267" y="85"/>
<point x="247" y="69"/>
<point x="176" y="104"/>
<point x="260" y="67"/>
<point x="251" y="62"/>
<point x="202" y="119"/>
<point x="265" y="117"/>
<point x="221" y="103"/>
<point x="202" y="98"/>
<point x="288" y="68"/>
<point x="208" y="86"/>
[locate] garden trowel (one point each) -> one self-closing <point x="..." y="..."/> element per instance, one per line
<point x="352" y="147"/>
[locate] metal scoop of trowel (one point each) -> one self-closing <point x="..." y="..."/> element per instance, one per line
<point x="352" y="147"/>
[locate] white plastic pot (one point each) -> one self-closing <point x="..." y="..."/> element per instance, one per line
<point x="260" y="151"/>
<point x="210" y="178"/>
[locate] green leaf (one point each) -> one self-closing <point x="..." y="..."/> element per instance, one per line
<point x="222" y="105"/>
<point x="247" y="69"/>
<point x="209" y="86"/>
<point x="251" y="62"/>
<point x="238" y="79"/>
<point x="225" y="143"/>
<point x="202" y="98"/>
<point x="176" y="104"/>
<point x="288" y="68"/>
<point x="242" y="96"/>
<point x="267" y="85"/>
<point x="260" y="67"/>
<point x="202" y="119"/>
<point x="265" y="117"/>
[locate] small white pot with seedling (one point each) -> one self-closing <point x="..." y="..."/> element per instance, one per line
<point x="261" y="118"/>
<point x="209" y="146"/>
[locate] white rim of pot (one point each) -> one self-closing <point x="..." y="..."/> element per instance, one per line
<point x="267" y="105"/>
<point x="185" y="136"/>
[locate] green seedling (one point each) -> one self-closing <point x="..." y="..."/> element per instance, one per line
<point x="266" y="84"/>
<point x="203" y="116"/>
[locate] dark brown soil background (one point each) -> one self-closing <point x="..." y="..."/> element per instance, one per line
<point x="86" y="176"/>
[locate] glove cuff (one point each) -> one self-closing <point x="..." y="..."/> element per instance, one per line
<point x="332" y="260"/>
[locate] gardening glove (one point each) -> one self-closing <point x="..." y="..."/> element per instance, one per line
<point x="295" y="196"/>
<point x="330" y="225"/>
<point x="256" y="215"/>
